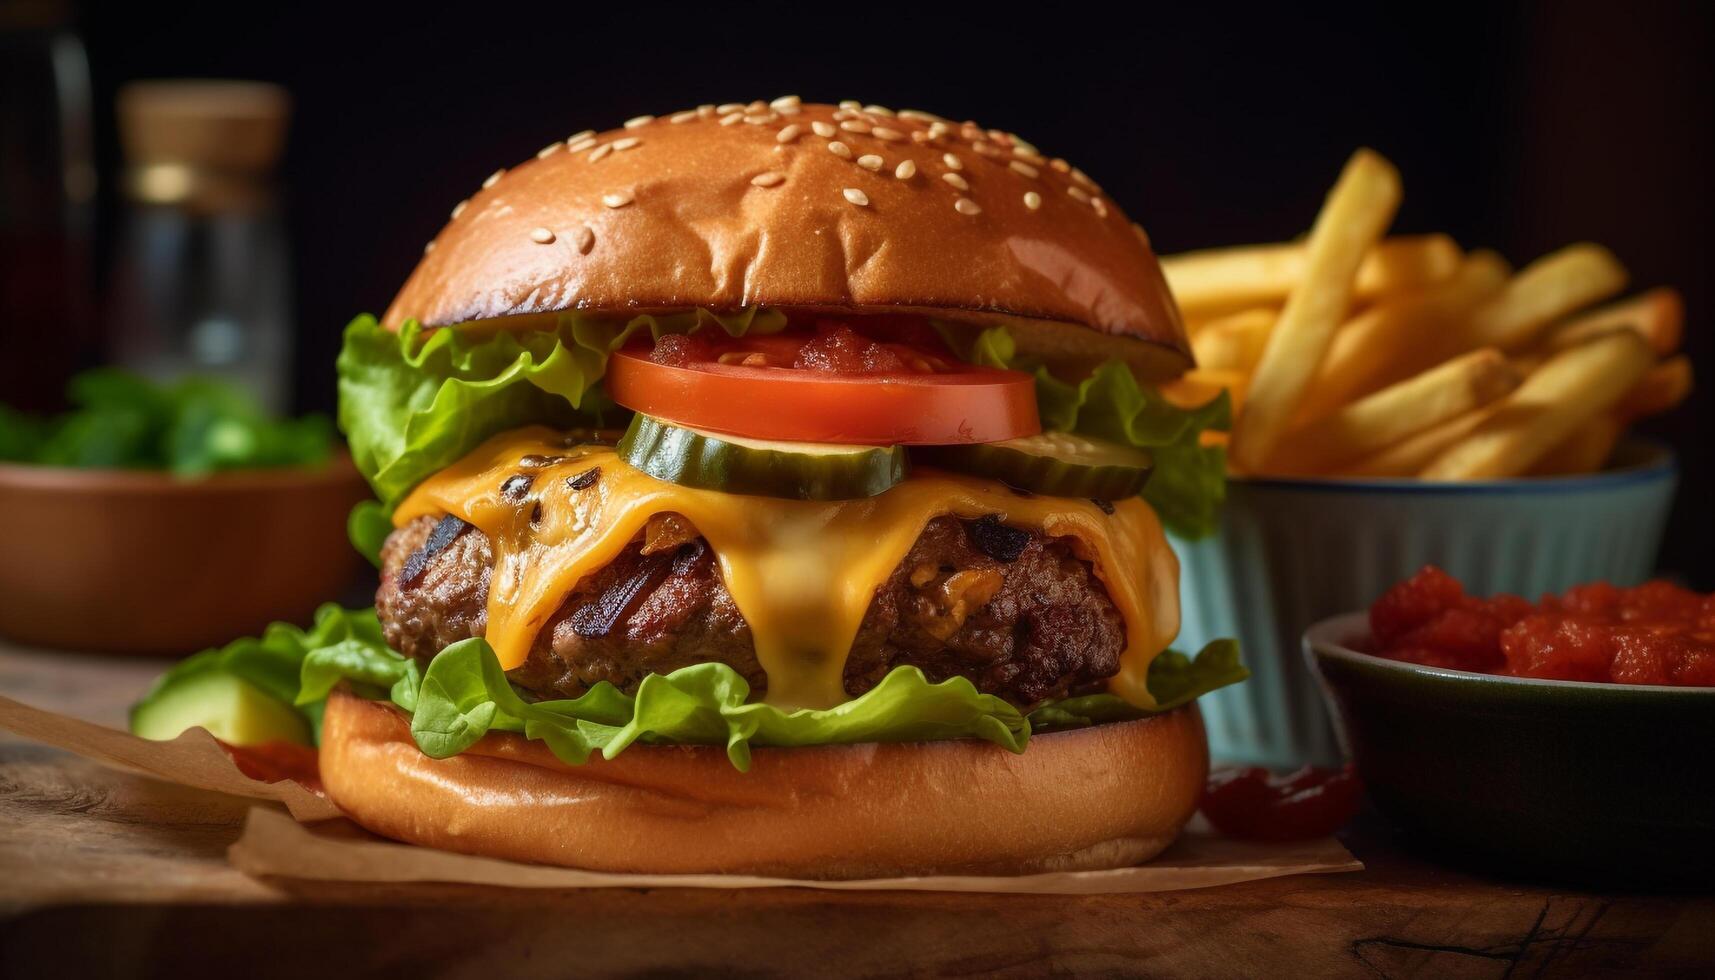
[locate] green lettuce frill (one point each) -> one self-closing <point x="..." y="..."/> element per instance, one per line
<point x="464" y="695"/>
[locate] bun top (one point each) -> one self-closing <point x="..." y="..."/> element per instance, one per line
<point x="842" y="208"/>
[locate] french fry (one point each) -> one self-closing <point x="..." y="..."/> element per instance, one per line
<point x="1585" y="451"/>
<point x="1395" y="337"/>
<point x="1219" y="281"/>
<point x="1553" y="286"/>
<point x="1568" y="391"/>
<point x="1196" y="386"/>
<point x="1376" y="421"/>
<point x="1234" y="342"/>
<point x="1660" y="390"/>
<point x="1659" y="315"/>
<point x="1358" y="210"/>
<point x="1409" y="456"/>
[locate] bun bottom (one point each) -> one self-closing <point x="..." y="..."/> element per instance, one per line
<point x="1102" y="797"/>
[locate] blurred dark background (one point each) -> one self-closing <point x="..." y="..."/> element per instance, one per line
<point x="1520" y="128"/>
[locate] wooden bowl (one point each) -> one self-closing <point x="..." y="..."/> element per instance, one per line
<point x="142" y="562"/>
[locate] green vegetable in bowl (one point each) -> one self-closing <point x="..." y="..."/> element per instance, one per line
<point x="190" y="428"/>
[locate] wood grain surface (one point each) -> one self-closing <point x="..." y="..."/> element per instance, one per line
<point x="106" y="873"/>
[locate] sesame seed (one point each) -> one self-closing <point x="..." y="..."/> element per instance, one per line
<point x="1020" y="167"/>
<point x="706" y="110"/>
<point x="856" y="196"/>
<point x="788" y="134"/>
<point x="822" y="129"/>
<point x="579" y="137"/>
<point x="581" y="145"/>
<point x="600" y="151"/>
<point x="916" y="115"/>
<point x="428" y="246"/>
<point x="636" y="121"/>
<point x="965" y="205"/>
<point x="626" y="143"/>
<point x="840" y="150"/>
<point x="854" y="126"/>
<point x="756" y="105"/>
<point x="732" y="118"/>
<point x="986" y="149"/>
<point x="728" y="107"/>
<point x="1100" y="205"/>
<point x="957" y="181"/>
<point x="844" y="114"/>
<point x="549" y="150"/>
<point x="919" y="136"/>
<point x="970" y="131"/>
<point x="1020" y="143"/>
<point x="786" y="102"/>
<point x="772" y="178"/>
<point x="870" y="161"/>
<point x="1060" y="165"/>
<point x="938" y="129"/>
<point x="617" y="200"/>
<point x="1029" y="156"/>
<point x="878" y="110"/>
<point x="1083" y="178"/>
<point x="761" y="118"/>
<point x="906" y="170"/>
<point x="883" y="133"/>
<point x="1032" y="200"/>
<point x="851" y="105"/>
<point x="952" y="161"/>
<point x="542" y="236"/>
<point x="586" y="240"/>
<point x="458" y="209"/>
<point x="1000" y="137"/>
<point x="1078" y="194"/>
<point x="682" y="117"/>
<point x="493" y="178"/>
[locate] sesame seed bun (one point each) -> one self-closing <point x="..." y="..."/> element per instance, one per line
<point x="811" y="206"/>
<point x="1107" y="796"/>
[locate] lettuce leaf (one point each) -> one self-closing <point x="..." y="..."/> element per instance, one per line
<point x="190" y="428"/>
<point x="413" y="402"/>
<point x="1189" y="482"/>
<point x="464" y="694"/>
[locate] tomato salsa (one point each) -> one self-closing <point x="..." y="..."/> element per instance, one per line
<point x="1655" y="633"/>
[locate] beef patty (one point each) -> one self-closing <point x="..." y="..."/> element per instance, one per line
<point x="1016" y="612"/>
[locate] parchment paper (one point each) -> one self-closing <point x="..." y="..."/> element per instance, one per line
<point x="314" y="842"/>
<point x="274" y="845"/>
<point x="192" y="759"/>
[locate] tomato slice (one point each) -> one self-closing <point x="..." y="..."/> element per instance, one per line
<point x="798" y="390"/>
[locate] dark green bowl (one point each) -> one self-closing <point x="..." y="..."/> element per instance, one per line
<point x="1574" y="782"/>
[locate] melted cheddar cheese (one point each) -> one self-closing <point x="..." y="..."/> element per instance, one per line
<point x="801" y="572"/>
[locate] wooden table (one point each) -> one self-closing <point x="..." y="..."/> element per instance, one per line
<point x="107" y="873"/>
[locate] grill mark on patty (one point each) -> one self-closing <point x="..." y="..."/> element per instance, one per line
<point x="1047" y="630"/>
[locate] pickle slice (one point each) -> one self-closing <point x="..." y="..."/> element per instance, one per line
<point x="733" y="464"/>
<point x="1058" y="464"/>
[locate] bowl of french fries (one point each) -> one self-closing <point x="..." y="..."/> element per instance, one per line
<point x="1400" y="401"/>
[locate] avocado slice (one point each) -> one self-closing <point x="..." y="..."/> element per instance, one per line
<point x="233" y="710"/>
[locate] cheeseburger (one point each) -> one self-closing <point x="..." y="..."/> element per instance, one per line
<point x="764" y="488"/>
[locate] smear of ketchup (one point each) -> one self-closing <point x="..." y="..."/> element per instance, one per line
<point x="274" y="762"/>
<point x="1254" y="804"/>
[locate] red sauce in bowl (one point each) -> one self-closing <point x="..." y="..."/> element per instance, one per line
<point x="1655" y="633"/>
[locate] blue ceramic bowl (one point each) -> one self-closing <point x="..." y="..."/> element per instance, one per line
<point x="1293" y="551"/>
<point x="1563" y="780"/>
